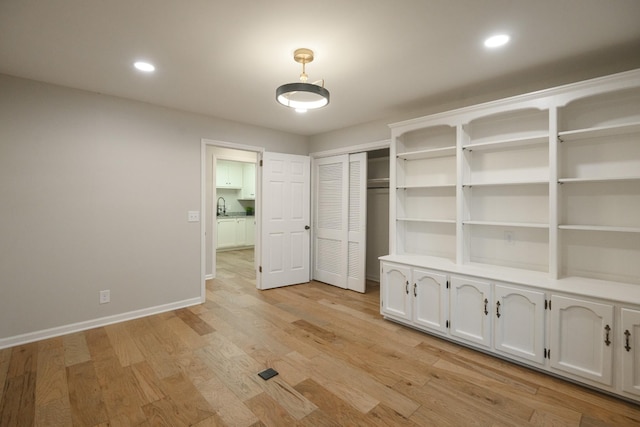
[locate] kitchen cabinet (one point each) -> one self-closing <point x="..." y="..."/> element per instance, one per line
<point x="581" y="338"/>
<point x="250" y="226"/>
<point x="248" y="191"/>
<point x="226" y="233"/>
<point x="519" y="322"/>
<point x="235" y="232"/>
<point x="628" y="340"/>
<point x="241" y="232"/>
<point x="228" y="174"/>
<point x="470" y="304"/>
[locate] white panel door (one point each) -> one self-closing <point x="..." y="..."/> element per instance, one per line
<point x="340" y="221"/>
<point x="285" y="220"/>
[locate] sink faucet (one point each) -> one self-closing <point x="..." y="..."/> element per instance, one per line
<point x="224" y="207"/>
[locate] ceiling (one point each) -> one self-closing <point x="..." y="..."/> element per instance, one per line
<point x="225" y="58"/>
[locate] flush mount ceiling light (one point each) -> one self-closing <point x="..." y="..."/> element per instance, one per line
<point x="496" y="41"/>
<point x="144" y="66"/>
<point x="303" y="96"/>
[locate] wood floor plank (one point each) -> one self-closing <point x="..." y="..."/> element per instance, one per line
<point x="75" y="349"/>
<point x="194" y="321"/>
<point x="5" y="356"/>
<point x="123" y="344"/>
<point x="18" y="405"/>
<point x="85" y="396"/>
<point x="51" y="382"/>
<point x="231" y="410"/>
<point x="269" y="411"/>
<point x="24" y="360"/>
<point x="54" y="413"/>
<point x="336" y="408"/>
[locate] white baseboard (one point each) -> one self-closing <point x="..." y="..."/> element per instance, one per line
<point x="94" y="323"/>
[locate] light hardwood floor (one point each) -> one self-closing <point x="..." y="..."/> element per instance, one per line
<point x="339" y="364"/>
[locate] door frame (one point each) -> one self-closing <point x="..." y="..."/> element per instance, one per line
<point x="204" y="209"/>
<point x="353" y="149"/>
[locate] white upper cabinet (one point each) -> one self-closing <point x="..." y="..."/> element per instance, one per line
<point x="228" y="174"/>
<point x="248" y="191"/>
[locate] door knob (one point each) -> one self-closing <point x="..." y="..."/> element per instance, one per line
<point x="306" y="227"/>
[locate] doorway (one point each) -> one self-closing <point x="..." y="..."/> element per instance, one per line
<point x="230" y="200"/>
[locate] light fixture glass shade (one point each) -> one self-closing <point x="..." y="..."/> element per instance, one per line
<point x="302" y="96"/>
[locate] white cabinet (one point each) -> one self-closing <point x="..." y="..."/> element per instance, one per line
<point x="581" y="338"/>
<point x="250" y="227"/>
<point x="226" y="233"/>
<point x="235" y="232"/>
<point x="228" y="174"/>
<point x="470" y="304"/>
<point x="629" y="339"/>
<point x="519" y="322"/>
<point x="395" y="298"/>
<point x="241" y="232"/>
<point x="430" y="300"/>
<point x="248" y="191"/>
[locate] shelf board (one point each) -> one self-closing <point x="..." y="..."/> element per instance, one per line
<point x="500" y="183"/>
<point x="603" y="179"/>
<point x="437" y="221"/>
<point x="600" y="228"/>
<point x="578" y="134"/>
<point x="510" y="142"/>
<point x="428" y="154"/>
<point x="507" y="224"/>
<point x="378" y="183"/>
<point x="418" y="187"/>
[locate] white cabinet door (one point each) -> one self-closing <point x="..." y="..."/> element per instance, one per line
<point x="519" y="322"/>
<point x="250" y="227"/>
<point x="226" y="233"/>
<point x="248" y="181"/>
<point x="630" y="339"/>
<point x="581" y="338"/>
<point x="430" y="299"/>
<point x="228" y="174"/>
<point x="394" y="291"/>
<point x="470" y="304"/>
<point x="241" y="232"/>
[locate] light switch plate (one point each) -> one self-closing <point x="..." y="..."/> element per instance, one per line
<point x="193" y="216"/>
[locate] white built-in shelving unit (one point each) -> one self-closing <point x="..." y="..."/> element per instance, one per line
<point x="537" y="196"/>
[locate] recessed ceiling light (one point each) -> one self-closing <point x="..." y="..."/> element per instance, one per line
<point x="497" y="40"/>
<point x="144" y="66"/>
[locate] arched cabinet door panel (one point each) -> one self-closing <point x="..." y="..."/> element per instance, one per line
<point x="395" y="298"/>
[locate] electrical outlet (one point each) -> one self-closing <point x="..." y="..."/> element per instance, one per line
<point x="105" y="296"/>
<point x="193" y="216"/>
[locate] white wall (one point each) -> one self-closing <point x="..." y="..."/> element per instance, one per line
<point x="94" y="194"/>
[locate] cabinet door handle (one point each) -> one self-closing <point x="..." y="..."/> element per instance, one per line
<point x="406" y="287"/>
<point x="498" y="309"/>
<point x="486" y="301"/>
<point x="607" y="341"/>
<point x="415" y="290"/>
<point x="626" y="340"/>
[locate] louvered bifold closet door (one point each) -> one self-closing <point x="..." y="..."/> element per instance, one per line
<point x="357" y="222"/>
<point x="331" y="218"/>
<point x="340" y="221"/>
